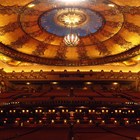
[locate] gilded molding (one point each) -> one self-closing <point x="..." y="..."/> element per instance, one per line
<point x="32" y="12"/>
<point x="41" y="60"/>
<point x="101" y="75"/>
<point x="9" y="10"/>
<point x="130" y="10"/>
<point x="114" y="24"/>
<point x="106" y="33"/>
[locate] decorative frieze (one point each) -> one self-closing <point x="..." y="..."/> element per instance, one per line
<point x="132" y="27"/>
<point x="11" y="27"/>
<point x="20" y="41"/>
<point x="61" y="52"/>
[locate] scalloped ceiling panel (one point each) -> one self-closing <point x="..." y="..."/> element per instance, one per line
<point x="33" y="31"/>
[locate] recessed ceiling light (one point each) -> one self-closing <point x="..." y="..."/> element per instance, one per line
<point x="88" y="83"/>
<point x="111" y="5"/>
<point x="115" y="83"/>
<point x="54" y="83"/>
<point x="31" y="5"/>
<point x="28" y="83"/>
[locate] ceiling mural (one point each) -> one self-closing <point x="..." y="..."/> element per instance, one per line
<point x="33" y="31"/>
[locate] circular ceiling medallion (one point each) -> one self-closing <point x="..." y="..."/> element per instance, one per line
<point x="49" y="24"/>
<point x="71" y="17"/>
<point x="62" y="21"/>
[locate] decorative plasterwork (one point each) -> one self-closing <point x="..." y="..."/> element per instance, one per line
<point x="40" y="49"/>
<point x="130" y="10"/>
<point x="132" y="27"/>
<point x="20" y="42"/>
<point x="34" y="59"/>
<point x="102" y="49"/>
<point x="11" y="27"/>
<point x="9" y="10"/>
<point x="43" y="75"/>
<point x="121" y="41"/>
<point x="82" y="51"/>
<point x="61" y="52"/>
<point x="116" y="40"/>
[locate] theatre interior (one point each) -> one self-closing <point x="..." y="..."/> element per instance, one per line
<point x="70" y="69"/>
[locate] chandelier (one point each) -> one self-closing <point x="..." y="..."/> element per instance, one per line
<point x="71" y="39"/>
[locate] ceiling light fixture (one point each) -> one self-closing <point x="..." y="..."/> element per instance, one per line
<point x="115" y="83"/>
<point x="111" y="5"/>
<point x="31" y="5"/>
<point x="71" y="39"/>
<point x="28" y="83"/>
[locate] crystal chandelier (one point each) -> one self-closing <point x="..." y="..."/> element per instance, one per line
<point x="71" y="39"/>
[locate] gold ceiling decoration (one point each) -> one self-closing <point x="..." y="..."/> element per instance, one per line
<point x="26" y="37"/>
<point x="71" y="17"/>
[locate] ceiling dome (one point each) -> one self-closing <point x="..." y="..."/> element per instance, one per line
<point x="61" y="21"/>
<point x="33" y="31"/>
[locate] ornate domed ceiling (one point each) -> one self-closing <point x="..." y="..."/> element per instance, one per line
<point x="33" y="31"/>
